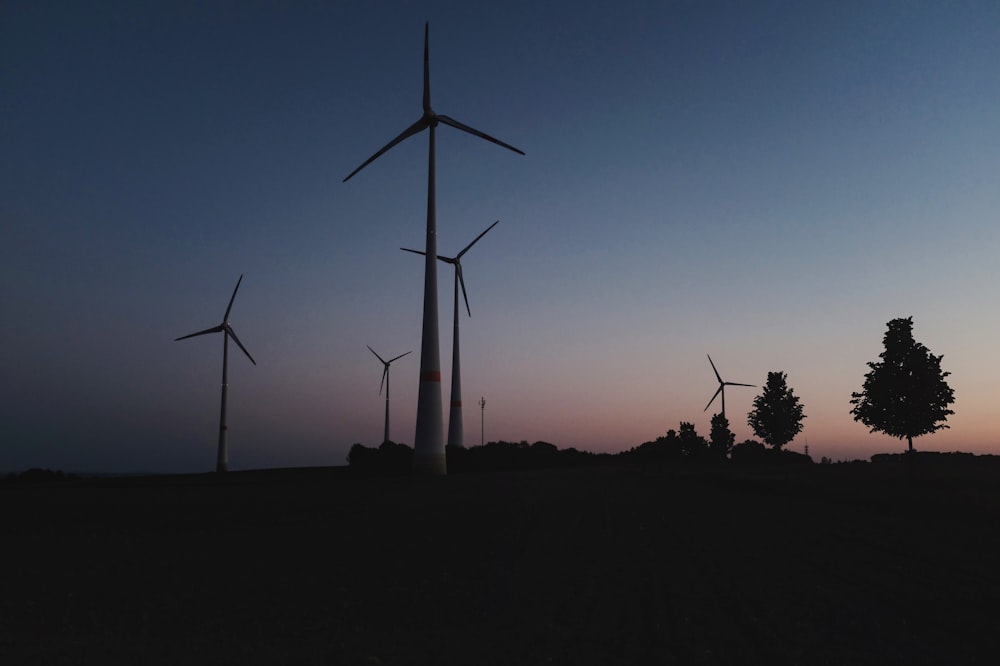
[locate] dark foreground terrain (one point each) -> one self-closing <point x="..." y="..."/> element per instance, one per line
<point x="829" y="564"/>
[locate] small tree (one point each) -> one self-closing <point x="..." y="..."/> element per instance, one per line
<point x="693" y="446"/>
<point x="776" y="416"/>
<point x="748" y="451"/>
<point x="721" y="438"/>
<point x="905" y="394"/>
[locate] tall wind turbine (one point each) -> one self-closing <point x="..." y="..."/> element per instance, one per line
<point x="385" y="382"/>
<point x="429" y="451"/>
<point x="455" y="430"/>
<point x="721" y="389"/>
<point x="222" y="462"/>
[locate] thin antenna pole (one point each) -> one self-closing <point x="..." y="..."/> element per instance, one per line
<point x="482" y="421"/>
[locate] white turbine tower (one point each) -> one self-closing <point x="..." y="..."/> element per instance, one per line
<point x="222" y="462"/>
<point x="456" y="436"/>
<point x="385" y="382"/>
<point x="721" y="389"/>
<point x="429" y="451"/>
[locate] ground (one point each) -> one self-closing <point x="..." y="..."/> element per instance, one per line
<point x="827" y="564"/>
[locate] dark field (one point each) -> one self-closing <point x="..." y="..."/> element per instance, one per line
<point x="828" y="564"/>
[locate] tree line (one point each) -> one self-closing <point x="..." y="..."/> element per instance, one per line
<point x="904" y="395"/>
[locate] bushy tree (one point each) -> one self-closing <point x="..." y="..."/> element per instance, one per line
<point x="692" y="444"/>
<point x="776" y="416"/>
<point x="721" y="438"/>
<point x="905" y="394"/>
<point x="748" y="451"/>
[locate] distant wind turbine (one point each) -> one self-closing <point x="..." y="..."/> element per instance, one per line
<point x="385" y="383"/>
<point x="455" y="428"/>
<point x="429" y="451"/>
<point x="222" y="462"/>
<point x="721" y="389"/>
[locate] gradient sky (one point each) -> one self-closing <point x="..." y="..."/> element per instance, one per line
<point x="765" y="182"/>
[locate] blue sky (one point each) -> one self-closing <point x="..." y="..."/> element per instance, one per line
<point x="768" y="183"/>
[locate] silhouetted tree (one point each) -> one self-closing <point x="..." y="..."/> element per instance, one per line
<point x="395" y="457"/>
<point x="662" y="449"/>
<point x="748" y="451"/>
<point x="544" y="454"/>
<point x="721" y="438"/>
<point x="693" y="446"/>
<point x="905" y="394"/>
<point x="360" y="456"/>
<point x="776" y="416"/>
<point x="388" y="457"/>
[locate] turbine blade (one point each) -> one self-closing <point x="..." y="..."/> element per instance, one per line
<point x="461" y="281"/>
<point x="405" y="134"/>
<point x="232" y="333"/>
<point x="406" y="249"/>
<point x="385" y="371"/>
<point x="376" y="354"/>
<point x="427" y="68"/>
<point x="717" y="392"/>
<point x="398" y="357"/>
<point x="214" y="329"/>
<point x="714" y="370"/>
<point x="476" y="239"/>
<point x="229" y="307"/>
<point x="482" y="135"/>
<point x="737" y="384"/>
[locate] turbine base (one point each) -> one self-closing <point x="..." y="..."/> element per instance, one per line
<point x="431" y="464"/>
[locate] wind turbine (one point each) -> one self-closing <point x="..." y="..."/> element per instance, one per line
<point x="721" y="389"/>
<point x="455" y="429"/>
<point x="385" y="382"/>
<point x="222" y="463"/>
<point x="429" y="451"/>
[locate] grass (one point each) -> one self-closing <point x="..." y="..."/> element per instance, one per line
<point x="817" y="565"/>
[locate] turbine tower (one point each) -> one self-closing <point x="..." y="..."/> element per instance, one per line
<point x="429" y="452"/>
<point x="721" y="389"/>
<point x="456" y="436"/>
<point x="222" y="462"/>
<point x="385" y="382"/>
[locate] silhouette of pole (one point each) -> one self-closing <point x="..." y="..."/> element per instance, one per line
<point x="482" y="421"/>
<point x="429" y="449"/>
<point x="385" y="434"/>
<point x="456" y="434"/>
<point x="428" y="441"/>
<point x="222" y="460"/>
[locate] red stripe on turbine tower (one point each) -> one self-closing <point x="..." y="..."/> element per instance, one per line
<point x="431" y="376"/>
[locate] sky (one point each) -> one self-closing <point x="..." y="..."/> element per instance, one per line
<point x="766" y="182"/>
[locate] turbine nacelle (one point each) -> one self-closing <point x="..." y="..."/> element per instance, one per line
<point x="722" y="388"/>
<point x="456" y="261"/>
<point x="385" y="364"/>
<point x="429" y="118"/>
<point x="225" y="327"/>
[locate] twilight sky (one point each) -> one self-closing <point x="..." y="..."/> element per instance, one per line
<point x="765" y="182"/>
